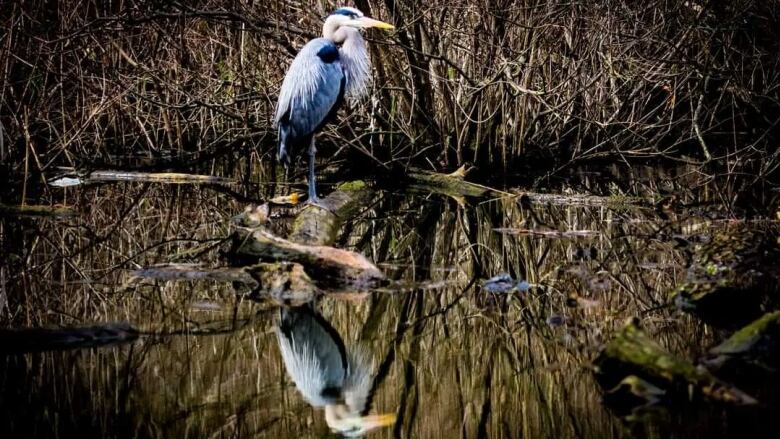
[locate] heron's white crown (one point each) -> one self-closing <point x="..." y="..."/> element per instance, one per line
<point x="352" y="17"/>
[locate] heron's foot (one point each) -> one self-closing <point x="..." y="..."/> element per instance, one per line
<point x="317" y="201"/>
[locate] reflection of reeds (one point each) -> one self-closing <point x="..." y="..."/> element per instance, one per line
<point x="450" y="361"/>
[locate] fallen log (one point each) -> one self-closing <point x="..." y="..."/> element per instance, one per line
<point x="751" y="358"/>
<point x="453" y="184"/>
<point x="317" y="226"/>
<point x="633" y="355"/>
<point x="290" y="271"/>
<point x="329" y="268"/>
<point x="314" y="229"/>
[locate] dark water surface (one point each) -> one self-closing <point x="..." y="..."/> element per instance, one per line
<point x="447" y="357"/>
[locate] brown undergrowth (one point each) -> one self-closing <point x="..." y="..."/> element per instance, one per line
<point x="492" y="83"/>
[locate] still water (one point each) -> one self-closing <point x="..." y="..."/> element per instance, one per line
<point x="444" y="355"/>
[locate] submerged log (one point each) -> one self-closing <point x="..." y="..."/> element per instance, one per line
<point x="759" y="340"/>
<point x="15" y="341"/>
<point x="283" y="282"/>
<point x="633" y="353"/>
<point x="733" y="279"/>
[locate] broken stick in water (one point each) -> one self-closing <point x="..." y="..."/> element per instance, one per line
<point x="139" y="177"/>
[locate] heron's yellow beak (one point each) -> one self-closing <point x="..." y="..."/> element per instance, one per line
<point x="366" y="23"/>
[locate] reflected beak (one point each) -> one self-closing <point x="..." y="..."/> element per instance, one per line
<point x="376" y="421"/>
<point x="340" y="420"/>
<point x="366" y="23"/>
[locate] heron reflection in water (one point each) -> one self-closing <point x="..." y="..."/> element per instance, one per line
<point x="326" y="374"/>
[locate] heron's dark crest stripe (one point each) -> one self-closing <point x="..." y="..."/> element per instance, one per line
<point x="344" y="11"/>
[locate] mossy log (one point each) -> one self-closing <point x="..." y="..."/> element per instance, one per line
<point x="315" y="225"/>
<point x="633" y="353"/>
<point x="289" y="271"/>
<point x="751" y="357"/>
<point x="453" y="184"/>
<point x="733" y="279"/>
<point x="314" y="229"/>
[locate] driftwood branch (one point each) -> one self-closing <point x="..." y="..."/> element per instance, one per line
<point x="329" y="267"/>
<point x="139" y="177"/>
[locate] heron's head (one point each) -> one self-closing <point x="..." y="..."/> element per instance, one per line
<point x="352" y="17"/>
<point x="350" y="424"/>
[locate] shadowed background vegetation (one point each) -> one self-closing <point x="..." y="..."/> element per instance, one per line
<point x="500" y="84"/>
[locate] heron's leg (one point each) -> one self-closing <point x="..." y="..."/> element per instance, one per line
<point x="313" y="198"/>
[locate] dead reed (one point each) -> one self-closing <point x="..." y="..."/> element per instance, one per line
<point x="495" y="83"/>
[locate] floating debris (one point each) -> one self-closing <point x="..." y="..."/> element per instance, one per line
<point x="206" y="306"/>
<point x="586" y="254"/>
<point x="556" y="320"/>
<point x="504" y="283"/>
<point x="66" y="182"/>
<point x="547" y="233"/>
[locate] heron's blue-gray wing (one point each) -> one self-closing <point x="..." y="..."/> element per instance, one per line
<point x="310" y="93"/>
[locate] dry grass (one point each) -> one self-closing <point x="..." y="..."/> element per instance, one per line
<point x="464" y="81"/>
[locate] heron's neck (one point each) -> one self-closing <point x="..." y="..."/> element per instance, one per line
<point x="333" y="31"/>
<point x="354" y="58"/>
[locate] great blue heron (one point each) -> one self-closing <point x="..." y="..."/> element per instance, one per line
<point x="322" y="73"/>
<point x="325" y="373"/>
